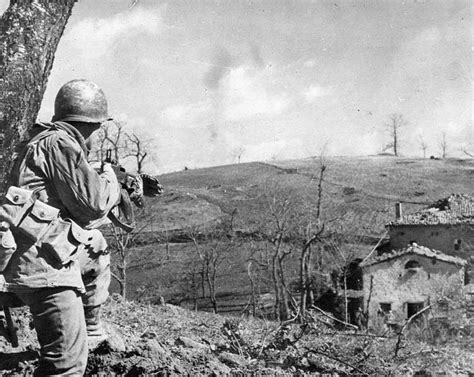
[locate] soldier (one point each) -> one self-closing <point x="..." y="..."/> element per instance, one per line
<point x="65" y="280"/>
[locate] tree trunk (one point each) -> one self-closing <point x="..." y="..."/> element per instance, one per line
<point x="276" y="280"/>
<point x="121" y="278"/>
<point x="285" y="307"/>
<point x="346" y="304"/>
<point x="253" y="300"/>
<point x="30" y="33"/>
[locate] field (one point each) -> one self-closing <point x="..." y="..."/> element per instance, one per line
<point x="359" y="195"/>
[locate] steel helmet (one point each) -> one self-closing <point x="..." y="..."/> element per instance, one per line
<point x="81" y="101"/>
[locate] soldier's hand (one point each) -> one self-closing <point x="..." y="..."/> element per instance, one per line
<point x="151" y="185"/>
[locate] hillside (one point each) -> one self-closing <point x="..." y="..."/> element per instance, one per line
<point x="359" y="190"/>
<point x="360" y="193"/>
<point x="193" y="216"/>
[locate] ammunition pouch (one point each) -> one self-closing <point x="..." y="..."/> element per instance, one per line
<point x="7" y="247"/>
<point x="41" y="223"/>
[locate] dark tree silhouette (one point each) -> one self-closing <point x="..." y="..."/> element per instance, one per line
<point x="396" y="122"/>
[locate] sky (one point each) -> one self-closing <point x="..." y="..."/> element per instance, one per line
<point x="206" y="82"/>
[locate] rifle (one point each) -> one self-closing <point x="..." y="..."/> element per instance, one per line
<point x="133" y="188"/>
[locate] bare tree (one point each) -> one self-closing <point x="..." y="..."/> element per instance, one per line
<point x="211" y="247"/>
<point x="30" y="33"/>
<point x="396" y="122"/>
<point x="120" y="248"/>
<point x="423" y="145"/>
<point x="313" y="233"/>
<point x="111" y="136"/>
<point x="294" y="223"/>
<point x="137" y="149"/>
<point x="443" y="145"/>
<point x="238" y="153"/>
<point x="125" y="146"/>
<point x="280" y="223"/>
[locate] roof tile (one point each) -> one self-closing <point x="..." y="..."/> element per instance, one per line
<point x="455" y="209"/>
<point x="414" y="249"/>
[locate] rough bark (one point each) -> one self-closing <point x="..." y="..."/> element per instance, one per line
<point x="30" y="33"/>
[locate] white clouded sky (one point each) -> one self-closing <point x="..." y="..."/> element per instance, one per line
<point x="275" y="78"/>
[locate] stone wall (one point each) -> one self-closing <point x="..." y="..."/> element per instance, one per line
<point x="397" y="287"/>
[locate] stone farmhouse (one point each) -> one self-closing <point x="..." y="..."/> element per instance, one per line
<point x="399" y="284"/>
<point x="429" y="254"/>
<point x="447" y="225"/>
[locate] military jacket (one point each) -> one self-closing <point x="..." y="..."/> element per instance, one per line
<point x="55" y="163"/>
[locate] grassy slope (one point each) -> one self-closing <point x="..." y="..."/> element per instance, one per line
<point x="361" y="192"/>
<point x="377" y="183"/>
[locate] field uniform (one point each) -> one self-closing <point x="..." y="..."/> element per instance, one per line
<point x="54" y="163"/>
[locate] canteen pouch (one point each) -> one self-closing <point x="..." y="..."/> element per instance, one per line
<point x="59" y="241"/>
<point x="64" y="238"/>
<point x="7" y="248"/>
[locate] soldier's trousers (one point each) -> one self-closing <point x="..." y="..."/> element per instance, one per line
<point x="58" y="316"/>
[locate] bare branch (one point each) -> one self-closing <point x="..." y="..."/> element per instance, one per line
<point x="133" y="3"/>
<point x="336" y="359"/>
<point x="468" y="153"/>
<point x="334" y="318"/>
<point x="408" y="321"/>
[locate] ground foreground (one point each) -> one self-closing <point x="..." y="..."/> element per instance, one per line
<point x="166" y="339"/>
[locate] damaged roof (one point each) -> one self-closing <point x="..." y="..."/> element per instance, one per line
<point x="455" y="209"/>
<point x="414" y="249"/>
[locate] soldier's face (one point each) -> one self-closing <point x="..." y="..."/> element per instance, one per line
<point x="92" y="139"/>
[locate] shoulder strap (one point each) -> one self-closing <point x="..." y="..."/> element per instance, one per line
<point x="21" y="152"/>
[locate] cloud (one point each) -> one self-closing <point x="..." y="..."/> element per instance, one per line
<point x="314" y="92"/>
<point x="188" y="115"/>
<point x="219" y="67"/>
<point x="256" y="55"/>
<point x="310" y="63"/>
<point x="247" y="93"/>
<point x="243" y="93"/>
<point x="95" y="36"/>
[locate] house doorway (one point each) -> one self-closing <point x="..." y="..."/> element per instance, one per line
<point x="413" y="308"/>
<point x="355" y="306"/>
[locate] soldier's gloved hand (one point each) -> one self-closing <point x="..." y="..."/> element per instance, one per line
<point x="135" y="191"/>
<point x="151" y="185"/>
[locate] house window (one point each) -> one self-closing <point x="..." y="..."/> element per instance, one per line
<point x="457" y="244"/>
<point x="385" y="307"/>
<point x="412" y="266"/>
<point x="413" y="308"/>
